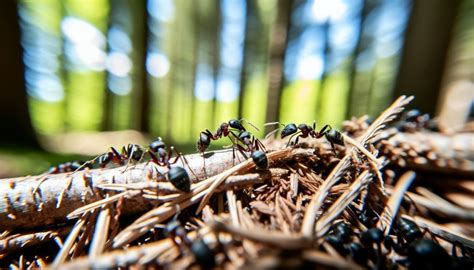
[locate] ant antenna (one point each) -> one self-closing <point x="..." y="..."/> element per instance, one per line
<point x="248" y="122"/>
<point x="271" y="133"/>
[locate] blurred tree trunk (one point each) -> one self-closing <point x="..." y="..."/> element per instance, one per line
<point x="108" y="108"/>
<point x="142" y="95"/>
<point x="63" y="74"/>
<point x="423" y="59"/>
<point x="361" y="45"/>
<point x="277" y="50"/>
<point x="172" y="81"/>
<point x="215" y="61"/>
<point x="196" y="18"/>
<point x="14" y="113"/>
<point x="322" y="81"/>
<point x="249" y="16"/>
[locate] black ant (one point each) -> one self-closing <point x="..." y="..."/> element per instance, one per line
<point x="304" y="130"/>
<point x="340" y="239"/>
<point x="224" y="130"/>
<point x="68" y="167"/>
<point x="113" y="155"/>
<point x="369" y="238"/>
<point x="161" y="156"/>
<point x="130" y="152"/>
<point x="427" y="254"/>
<point x="254" y="146"/>
<point x="203" y="254"/>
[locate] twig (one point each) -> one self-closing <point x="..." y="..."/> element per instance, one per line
<point x="64" y="252"/>
<point x="101" y="232"/>
<point x="286" y="241"/>
<point x="391" y="208"/>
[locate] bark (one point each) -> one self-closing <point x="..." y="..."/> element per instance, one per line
<point x="14" y="114"/>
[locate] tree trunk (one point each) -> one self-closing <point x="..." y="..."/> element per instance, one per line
<point x="277" y="49"/>
<point x="359" y="48"/>
<point x="195" y="60"/>
<point x="245" y="57"/>
<point x="424" y="53"/>
<point x="108" y="109"/>
<point x="215" y="61"/>
<point x="14" y="113"/>
<point x="324" y="74"/>
<point x="143" y="89"/>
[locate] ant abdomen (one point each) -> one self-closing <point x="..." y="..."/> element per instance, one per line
<point x="179" y="178"/>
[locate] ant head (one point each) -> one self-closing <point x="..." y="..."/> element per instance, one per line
<point x="156" y="144"/>
<point x="288" y="130"/>
<point x="244" y="135"/>
<point x="234" y="123"/>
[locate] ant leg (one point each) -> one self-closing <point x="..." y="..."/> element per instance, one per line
<point x="291" y="137"/>
<point x="260" y="145"/>
<point x="154" y="159"/>
<point x="323" y="131"/>
<point x="117" y="157"/>
<point x="242" y="150"/>
<point x="235" y="136"/>
<point x="333" y="148"/>
<point x="209" y="133"/>
<point x="184" y="161"/>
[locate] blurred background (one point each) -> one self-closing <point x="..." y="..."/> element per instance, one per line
<point x="78" y="76"/>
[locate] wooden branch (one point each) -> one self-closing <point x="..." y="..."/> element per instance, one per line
<point x="58" y="195"/>
<point x="32" y="201"/>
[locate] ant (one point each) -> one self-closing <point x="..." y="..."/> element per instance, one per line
<point x="253" y="145"/>
<point x="304" y="130"/>
<point x="340" y="239"/>
<point x="204" y="256"/>
<point x="130" y="152"/>
<point x="224" y="130"/>
<point x="161" y="156"/>
<point x="113" y="155"/>
<point x="68" y="167"/>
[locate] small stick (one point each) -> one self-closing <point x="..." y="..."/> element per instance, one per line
<point x="64" y="252"/>
<point x="100" y="233"/>
<point x="391" y="208"/>
<point x="287" y="241"/>
<point x="103" y="202"/>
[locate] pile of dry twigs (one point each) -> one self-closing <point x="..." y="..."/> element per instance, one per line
<point x="385" y="199"/>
